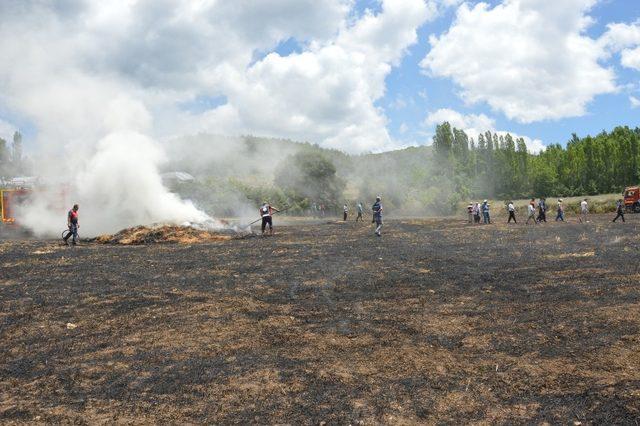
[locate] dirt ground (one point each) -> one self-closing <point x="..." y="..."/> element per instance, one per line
<point x="435" y="322"/>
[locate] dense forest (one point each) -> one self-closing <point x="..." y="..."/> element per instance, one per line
<point x="498" y="166"/>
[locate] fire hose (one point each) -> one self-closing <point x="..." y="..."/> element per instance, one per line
<point x="258" y="220"/>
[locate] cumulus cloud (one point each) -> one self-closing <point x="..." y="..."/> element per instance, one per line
<point x="165" y="53"/>
<point x="474" y="124"/>
<point x="625" y="39"/>
<point x="529" y="59"/>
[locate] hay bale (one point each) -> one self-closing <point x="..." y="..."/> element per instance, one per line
<point x="159" y="234"/>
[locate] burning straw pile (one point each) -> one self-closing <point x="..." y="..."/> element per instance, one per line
<point x="165" y="234"/>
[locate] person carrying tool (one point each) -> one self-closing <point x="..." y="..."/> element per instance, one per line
<point x="359" y="213"/>
<point x="72" y="223"/>
<point x="531" y="209"/>
<point x="266" y="212"/>
<point x="345" y="211"/>
<point x="619" y="210"/>
<point x="377" y="215"/>
<point x="560" y="211"/>
<point x="512" y="212"/>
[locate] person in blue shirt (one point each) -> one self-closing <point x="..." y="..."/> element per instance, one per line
<point x="485" y="212"/>
<point x="377" y="214"/>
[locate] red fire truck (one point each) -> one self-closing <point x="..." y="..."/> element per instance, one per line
<point x="632" y="199"/>
<point x="10" y="199"/>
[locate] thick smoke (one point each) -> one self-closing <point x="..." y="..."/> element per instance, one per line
<point x="116" y="182"/>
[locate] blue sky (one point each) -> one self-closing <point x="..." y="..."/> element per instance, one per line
<point x="360" y="76"/>
<point x="407" y="81"/>
<point x="606" y="111"/>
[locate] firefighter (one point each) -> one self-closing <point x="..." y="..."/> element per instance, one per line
<point x="619" y="210"/>
<point x="72" y="223"/>
<point x="377" y="215"/>
<point x="266" y="212"/>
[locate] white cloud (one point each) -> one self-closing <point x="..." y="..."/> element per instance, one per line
<point x="631" y="58"/>
<point x="471" y="123"/>
<point x="474" y="124"/>
<point x="73" y="58"/>
<point x="623" y="38"/>
<point x="529" y="59"/>
<point x="635" y="102"/>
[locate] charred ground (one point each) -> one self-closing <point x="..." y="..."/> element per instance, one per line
<point x="435" y="321"/>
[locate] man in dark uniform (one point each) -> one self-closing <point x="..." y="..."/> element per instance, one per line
<point x="377" y="215"/>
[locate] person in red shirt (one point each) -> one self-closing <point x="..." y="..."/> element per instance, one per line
<point x="72" y="223"/>
<point x="266" y="211"/>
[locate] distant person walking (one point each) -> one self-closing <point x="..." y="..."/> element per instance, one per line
<point x="470" y="212"/>
<point x="266" y="212"/>
<point x="476" y="212"/>
<point x="359" y="213"/>
<point x="345" y="212"/>
<point x="619" y="210"/>
<point x="73" y="225"/>
<point x="512" y="212"/>
<point x="560" y="211"/>
<point x="542" y="210"/>
<point x="485" y="212"/>
<point x="584" y="210"/>
<point x="531" y="210"/>
<point x="377" y="215"/>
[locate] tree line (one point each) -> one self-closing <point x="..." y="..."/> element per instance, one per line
<point x="499" y="166"/>
<point x="11" y="160"/>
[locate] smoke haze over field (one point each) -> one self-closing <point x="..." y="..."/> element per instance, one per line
<point x="99" y="80"/>
<point x="103" y="88"/>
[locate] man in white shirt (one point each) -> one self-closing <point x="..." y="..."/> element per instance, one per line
<point x="512" y="212"/>
<point x="584" y="210"/>
<point x="531" y="210"/>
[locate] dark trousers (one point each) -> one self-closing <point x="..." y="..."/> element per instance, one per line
<point x="344" y="217"/>
<point x="512" y="215"/>
<point x="542" y="217"/>
<point x="267" y="221"/>
<point x="359" y="217"/>
<point x="620" y="214"/>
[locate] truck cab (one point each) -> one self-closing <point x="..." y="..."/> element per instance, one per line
<point x="632" y="199"/>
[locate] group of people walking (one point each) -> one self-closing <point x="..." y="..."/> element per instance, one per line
<point x="478" y="212"/>
<point x="536" y="211"/>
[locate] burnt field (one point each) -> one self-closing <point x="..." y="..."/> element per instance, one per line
<point x="434" y="322"/>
